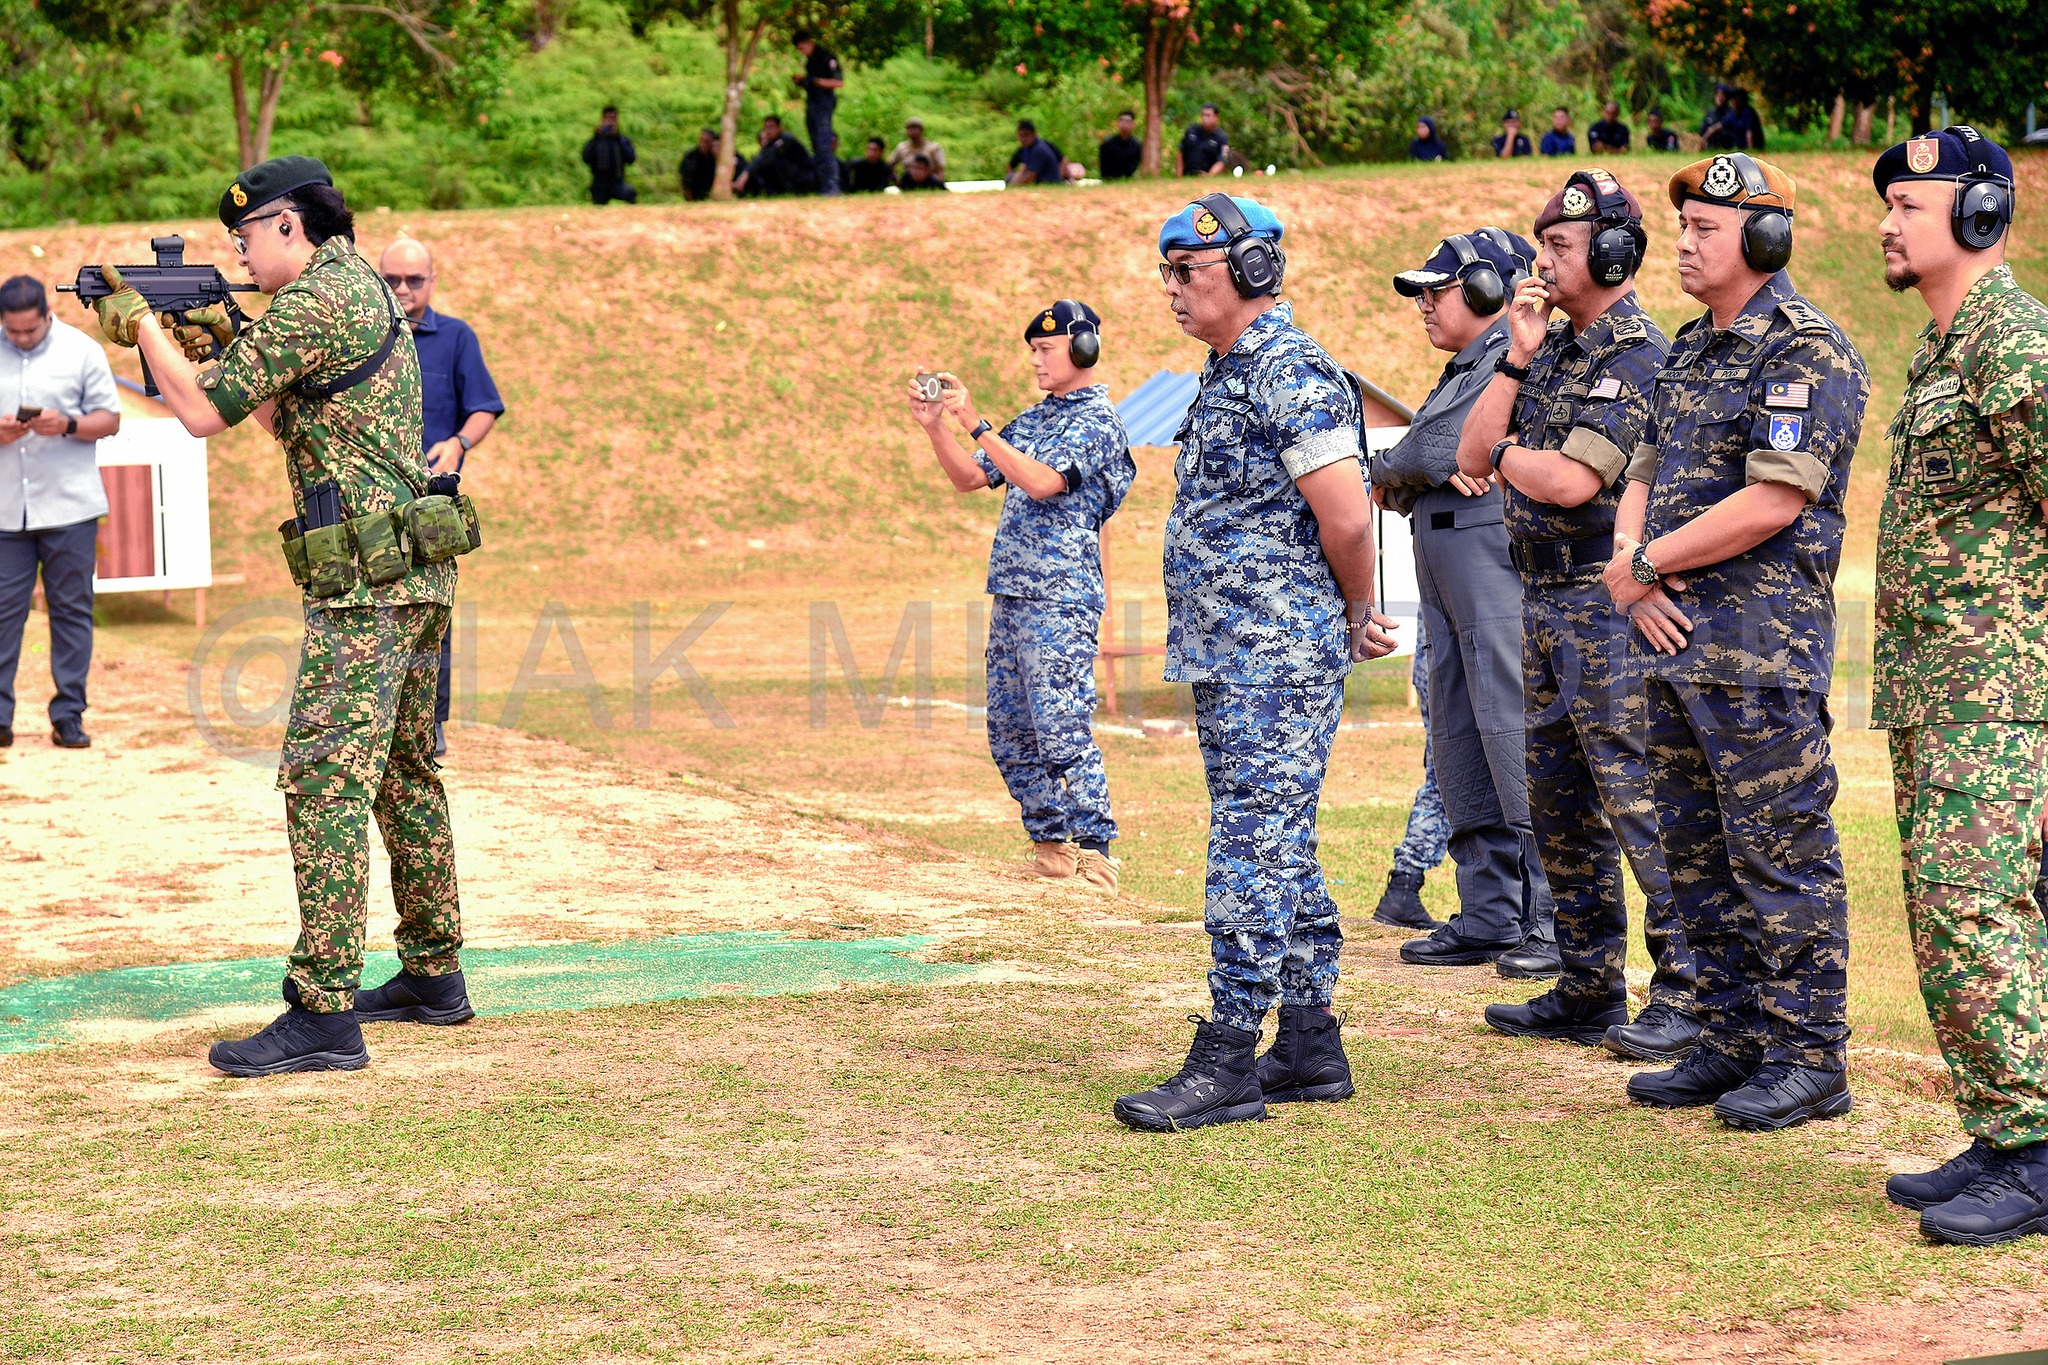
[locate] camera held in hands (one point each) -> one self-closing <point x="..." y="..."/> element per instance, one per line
<point x="930" y="387"/>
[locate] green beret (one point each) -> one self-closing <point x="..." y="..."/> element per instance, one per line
<point x="272" y="179"/>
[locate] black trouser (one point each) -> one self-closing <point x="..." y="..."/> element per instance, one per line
<point x="441" y="685"/>
<point x="65" y="555"/>
<point x="604" y="191"/>
<point x="824" y="146"/>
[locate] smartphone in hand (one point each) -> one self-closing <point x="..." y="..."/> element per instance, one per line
<point x="27" y="414"/>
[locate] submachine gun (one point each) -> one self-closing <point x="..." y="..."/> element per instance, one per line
<point x="169" y="286"/>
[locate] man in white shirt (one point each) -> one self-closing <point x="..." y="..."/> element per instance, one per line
<point x="57" y="400"/>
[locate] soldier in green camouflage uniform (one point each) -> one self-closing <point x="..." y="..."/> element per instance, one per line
<point x="1962" y="671"/>
<point x="331" y="371"/>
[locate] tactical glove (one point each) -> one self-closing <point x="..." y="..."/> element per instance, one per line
<point x="203" y="333"/>
<point x="122" y="311"/>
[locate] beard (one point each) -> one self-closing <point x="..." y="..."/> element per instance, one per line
<point x="1899" y="276"/>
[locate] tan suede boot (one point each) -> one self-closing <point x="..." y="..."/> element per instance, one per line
<point x="1098" y="870"/>
<point x="1054" y="860"/>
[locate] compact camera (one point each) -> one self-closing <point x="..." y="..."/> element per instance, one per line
<point x="930" y="387"/>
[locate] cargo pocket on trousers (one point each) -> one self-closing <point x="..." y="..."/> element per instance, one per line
<point x="322" y="742"/>
<point x="1787" y="789"/>
<point x="1969" y="826"/>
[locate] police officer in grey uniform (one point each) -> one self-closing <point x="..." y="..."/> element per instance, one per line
<point x="1472" y="613"/>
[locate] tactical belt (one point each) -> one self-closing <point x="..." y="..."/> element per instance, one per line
<point x="1554" y="558"/>
<point x="426" y="530"/>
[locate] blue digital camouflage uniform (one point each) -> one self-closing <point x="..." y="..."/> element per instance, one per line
<point x="1045" y="572"/>
<point x="1427" y="839"/>
<point x="1257" y="624"/>
<point x="360" y="740"/>
<point x="1962" y="684"/>
<point x="1738" y="741"/>
<point x="1588" y="397"/>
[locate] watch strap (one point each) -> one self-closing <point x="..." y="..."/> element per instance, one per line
<point x="466" y="444"/>
<point x="1518" y="373"/>
<point x="1500" y="449"/>
<point x="70" y="426"/>
<point x="1640" y="565"/>
<point x="981" y="428"/>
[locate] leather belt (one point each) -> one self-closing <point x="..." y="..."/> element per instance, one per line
<point x="1560" y="557"/>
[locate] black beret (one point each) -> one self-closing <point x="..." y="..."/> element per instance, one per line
<point x="1951" y="154"/>
<point x="1065" y="317"/>
<point x="273" y="179"/>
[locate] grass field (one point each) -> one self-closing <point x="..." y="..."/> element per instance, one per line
<point x="704" y="410"/>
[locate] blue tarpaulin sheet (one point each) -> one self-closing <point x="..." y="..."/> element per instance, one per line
<point x="1153" y="411"/>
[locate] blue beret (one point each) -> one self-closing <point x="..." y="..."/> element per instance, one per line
<point x="1194" y="227"/>
<point x="1067" y="316"/>
<point x="1950" y="154"/>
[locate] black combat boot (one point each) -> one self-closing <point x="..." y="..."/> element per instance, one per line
<point x="1401" y="906"/>
<point x="1661" y="1033"/>
<point x="1781" y="1094"/>
<point x="297" y="1040"/>
<point x="1551" y="1015"/>
<point x="410" y="999"/>
<point x="2007" y="1201"/>
<point x="1218" y="1083"/>
<point x="1702" y="1078"/>
<point x="1944" y="1182"/>
<point x="1306" y="1061"/>
<point x="1533" y="960"/>
<point x="1449" y="948"/>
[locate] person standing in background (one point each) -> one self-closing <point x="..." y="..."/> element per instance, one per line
<point x="57" y="399"/>
<point x="821" y="81"/>
<point x="608" y="153"/>
<point x="459" y="403"/>
<point x="1427" y="839"/>
<point x="1121" y="152"/>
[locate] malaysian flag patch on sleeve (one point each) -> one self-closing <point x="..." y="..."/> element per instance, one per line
<point x="1610" y="387"/>
<point x="1797" y="394"/>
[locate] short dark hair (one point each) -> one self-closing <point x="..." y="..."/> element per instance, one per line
<point x="767" y="119"/>
<point x="877" y="142"/>
<point x="1025" y="125"/>
<point x="1561" y="109"/>
<point x="803" y="35"/>
<point x="921" y="160"/>
<point x="707" y="132"/>
<point x="1127" y="113"/>
<point x="1211" y="109"/>
<point x="324" y="212"/>
<point x="608" y="109"/>
<point x="22" y="292"/>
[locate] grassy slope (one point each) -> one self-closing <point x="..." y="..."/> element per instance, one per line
<point x="926" y="1149"/>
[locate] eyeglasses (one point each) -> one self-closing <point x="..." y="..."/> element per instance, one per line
<point x="1183" y="271"/>
<point x="413" y="282"/>
<point x="241" y="239"/>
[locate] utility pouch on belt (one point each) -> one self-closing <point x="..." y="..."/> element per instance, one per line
<point x="436" y="528"/>
<point x="330" y="560"/>
<point x="377" y="548"/>
<point x="294" y="540"/>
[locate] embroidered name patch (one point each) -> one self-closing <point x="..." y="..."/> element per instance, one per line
<point x="1792" y="395"/>
<point x="1945" y="387"/>
<point x="1786" y="431"/>
<point x="1610" y="387"/>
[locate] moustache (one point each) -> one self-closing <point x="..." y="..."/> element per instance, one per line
<point x="1893" y="243"/>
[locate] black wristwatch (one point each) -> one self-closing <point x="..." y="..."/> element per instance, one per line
<point x="1500" y="449"/>
<point x="70" y="426"/>
<point x="466" y="444"/>
<point x="980" y="428"/>
<point x="1518" y="373"/>
<point x="1641" y="569"/>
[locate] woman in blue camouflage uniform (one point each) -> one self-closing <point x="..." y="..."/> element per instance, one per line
<point x="1064" y="466"/>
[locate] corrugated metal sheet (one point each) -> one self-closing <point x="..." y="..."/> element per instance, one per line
<point x="1153" y="411"/>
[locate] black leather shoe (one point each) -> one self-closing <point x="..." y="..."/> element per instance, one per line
<point x="1944" y="1182"/>
<point x="1551" y="1015"/>
<point x="1401" y="906"/>
<point x="1306" y="1061"/>
<point x="1531" y="961"/>
<point x="1448" y="948"/>
<point x="297" y="1040"/>
<point x="1702" y="1078"/>
<point x="6" y="736"/>
<point x="1218" y="1083"/>
<point x="1781" y="1095"/>
<point x="409" y="999"/>
<point x="2007" y="1201"/>
<point x="1661" y="1033"/>
<point x="69" y="734"/>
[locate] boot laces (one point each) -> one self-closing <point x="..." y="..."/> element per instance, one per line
<point x="1657" y="1016"/>
<point x="2007" y="1171"/>
<point x="1203" y="1055"/>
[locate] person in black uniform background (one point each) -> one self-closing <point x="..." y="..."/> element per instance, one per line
<point x="821" y="81"/>
<point x="870" y="174"/>
<point x="700" y="166"/>
<point x="1121" y="152"/>
<point x="1609" y="134"/>
<point x="781" y="167"/>
<point x="1203" y="145"/>
<point x="1657" y="137"/>
<point x="608" y="153"/>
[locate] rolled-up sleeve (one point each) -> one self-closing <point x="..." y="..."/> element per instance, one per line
<point x="1608" y="430"/>
<point x="1642" y="464"/>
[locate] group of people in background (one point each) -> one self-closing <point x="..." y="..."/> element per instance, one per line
<point x="1732" y="124"/>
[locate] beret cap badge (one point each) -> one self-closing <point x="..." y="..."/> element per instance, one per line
<point x="1047" y="324"/>
<point x="1721" y="180"/>
<point x="1577" y="203"/>
<point x="1206" y="224"/>
<point x="1922" y="153"/>
<point x="239" y="195"/>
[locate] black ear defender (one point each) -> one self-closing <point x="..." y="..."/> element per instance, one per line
<point x="1983" y="205"/>
<point x="1258" y="267"/>
<point x="1084" y="346"/>
<point x="1484" y="290"/>
<point x="1618" y="242"/>
<point x="1767" y="232"/>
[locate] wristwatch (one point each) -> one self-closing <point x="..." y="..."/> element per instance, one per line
<point x="1641" y="569"/>
<point x="981" y="428"/>
<point x="70" y="426"/>
<point x="1518" y="373"/>
<point x="1500" y="449"/>
<point x="465" y="442"/>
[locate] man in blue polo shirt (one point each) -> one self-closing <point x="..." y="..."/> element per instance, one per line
<point x="1036" y="161"/>
<point x="460" y="403"/>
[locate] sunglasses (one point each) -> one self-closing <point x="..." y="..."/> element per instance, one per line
<point x="413" y="282"/>
<point x="1183" y="271"/>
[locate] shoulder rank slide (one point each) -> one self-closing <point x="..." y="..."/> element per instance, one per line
<point x="1630" y="329"/>
<point x="1798" y="394"/>
<point x="1803" y="316"/>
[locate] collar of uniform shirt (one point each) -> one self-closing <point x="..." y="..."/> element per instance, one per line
<point x="425" y="322"/>
<point x="1476" y="349"/>
<point x="1259" y="330"/>
<point x="1086" y="391"/>
<point x="1755" y="318"/>
<point x="1998" y="280"/>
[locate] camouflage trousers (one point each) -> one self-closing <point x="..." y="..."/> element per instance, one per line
<point x="360" y="743"/>
<point x="1969" y="807"/>
<point x="1041" y="693"/>
<point x="1743" y="780"/>
<point x="1427" y="839"/>
<point x="1273" y="929"/>
<point x="1589" y="795"/>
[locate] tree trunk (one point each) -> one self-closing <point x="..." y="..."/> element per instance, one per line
<point x="1861" y="134"/>
<point x="929" y="44"/>
<point x="1164" y="40"/>
<point x="1835" y="119"/>
<point x="266" y="107"/>
<point x="739" y="60"/>
<point x="244" y="141"/>
<point x="1891" y="108"/>
<point x="546" y="15"/>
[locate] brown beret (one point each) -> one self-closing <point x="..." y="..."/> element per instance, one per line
<point x="1736" y="179"/>
<point x="1590" y="196"/>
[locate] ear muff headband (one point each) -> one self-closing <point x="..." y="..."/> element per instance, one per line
<point x="1084" y="347"/>
<point x="1257" y="266"/>
<point x="1767" y="231"/>
<point x="1484" y="290"/>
